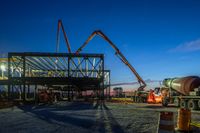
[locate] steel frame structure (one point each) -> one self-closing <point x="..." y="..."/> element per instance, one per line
<point x="80" y="71"/>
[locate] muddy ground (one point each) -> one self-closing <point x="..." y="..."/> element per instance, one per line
<point x="82" y="117"/>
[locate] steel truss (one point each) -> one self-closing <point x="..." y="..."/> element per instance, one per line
<point x="78" y="72"/>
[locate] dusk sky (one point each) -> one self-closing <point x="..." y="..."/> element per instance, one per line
<point x="160" y="38"/>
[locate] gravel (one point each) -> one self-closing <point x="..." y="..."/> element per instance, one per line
<point x="82" y="117"/>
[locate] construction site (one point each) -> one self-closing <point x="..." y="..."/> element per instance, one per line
<point x="73" y="92"/>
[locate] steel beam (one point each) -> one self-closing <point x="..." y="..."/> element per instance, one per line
<point x="92" y="77"/>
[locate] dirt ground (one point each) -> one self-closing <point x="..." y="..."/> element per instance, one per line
<point x="82" y="117"/>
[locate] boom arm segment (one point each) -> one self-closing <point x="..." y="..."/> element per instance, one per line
<point x="118" y="53"/>
<point x="60" y="25"/>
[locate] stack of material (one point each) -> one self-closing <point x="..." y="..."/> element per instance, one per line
<point x="195" y="126"/>
<point x="5" y="104"/>
<point x="122" y="100"/>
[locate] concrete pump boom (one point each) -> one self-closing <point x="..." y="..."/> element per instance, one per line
<point x="118" y="53"/>
<point x="60" y="25"/>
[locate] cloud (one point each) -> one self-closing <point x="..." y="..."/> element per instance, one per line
<point x="188" y="46"/>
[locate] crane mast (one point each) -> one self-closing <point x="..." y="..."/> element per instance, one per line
<point x="118" y="53"/>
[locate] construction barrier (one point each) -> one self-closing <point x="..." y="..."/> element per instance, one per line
<point x="184" y="118"/>
<point x="166" y="122"/>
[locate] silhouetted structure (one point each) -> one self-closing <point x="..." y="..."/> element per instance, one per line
<point x="72" y="72"/>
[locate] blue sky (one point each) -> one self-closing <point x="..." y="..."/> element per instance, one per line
<point x="160" y="38"/>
